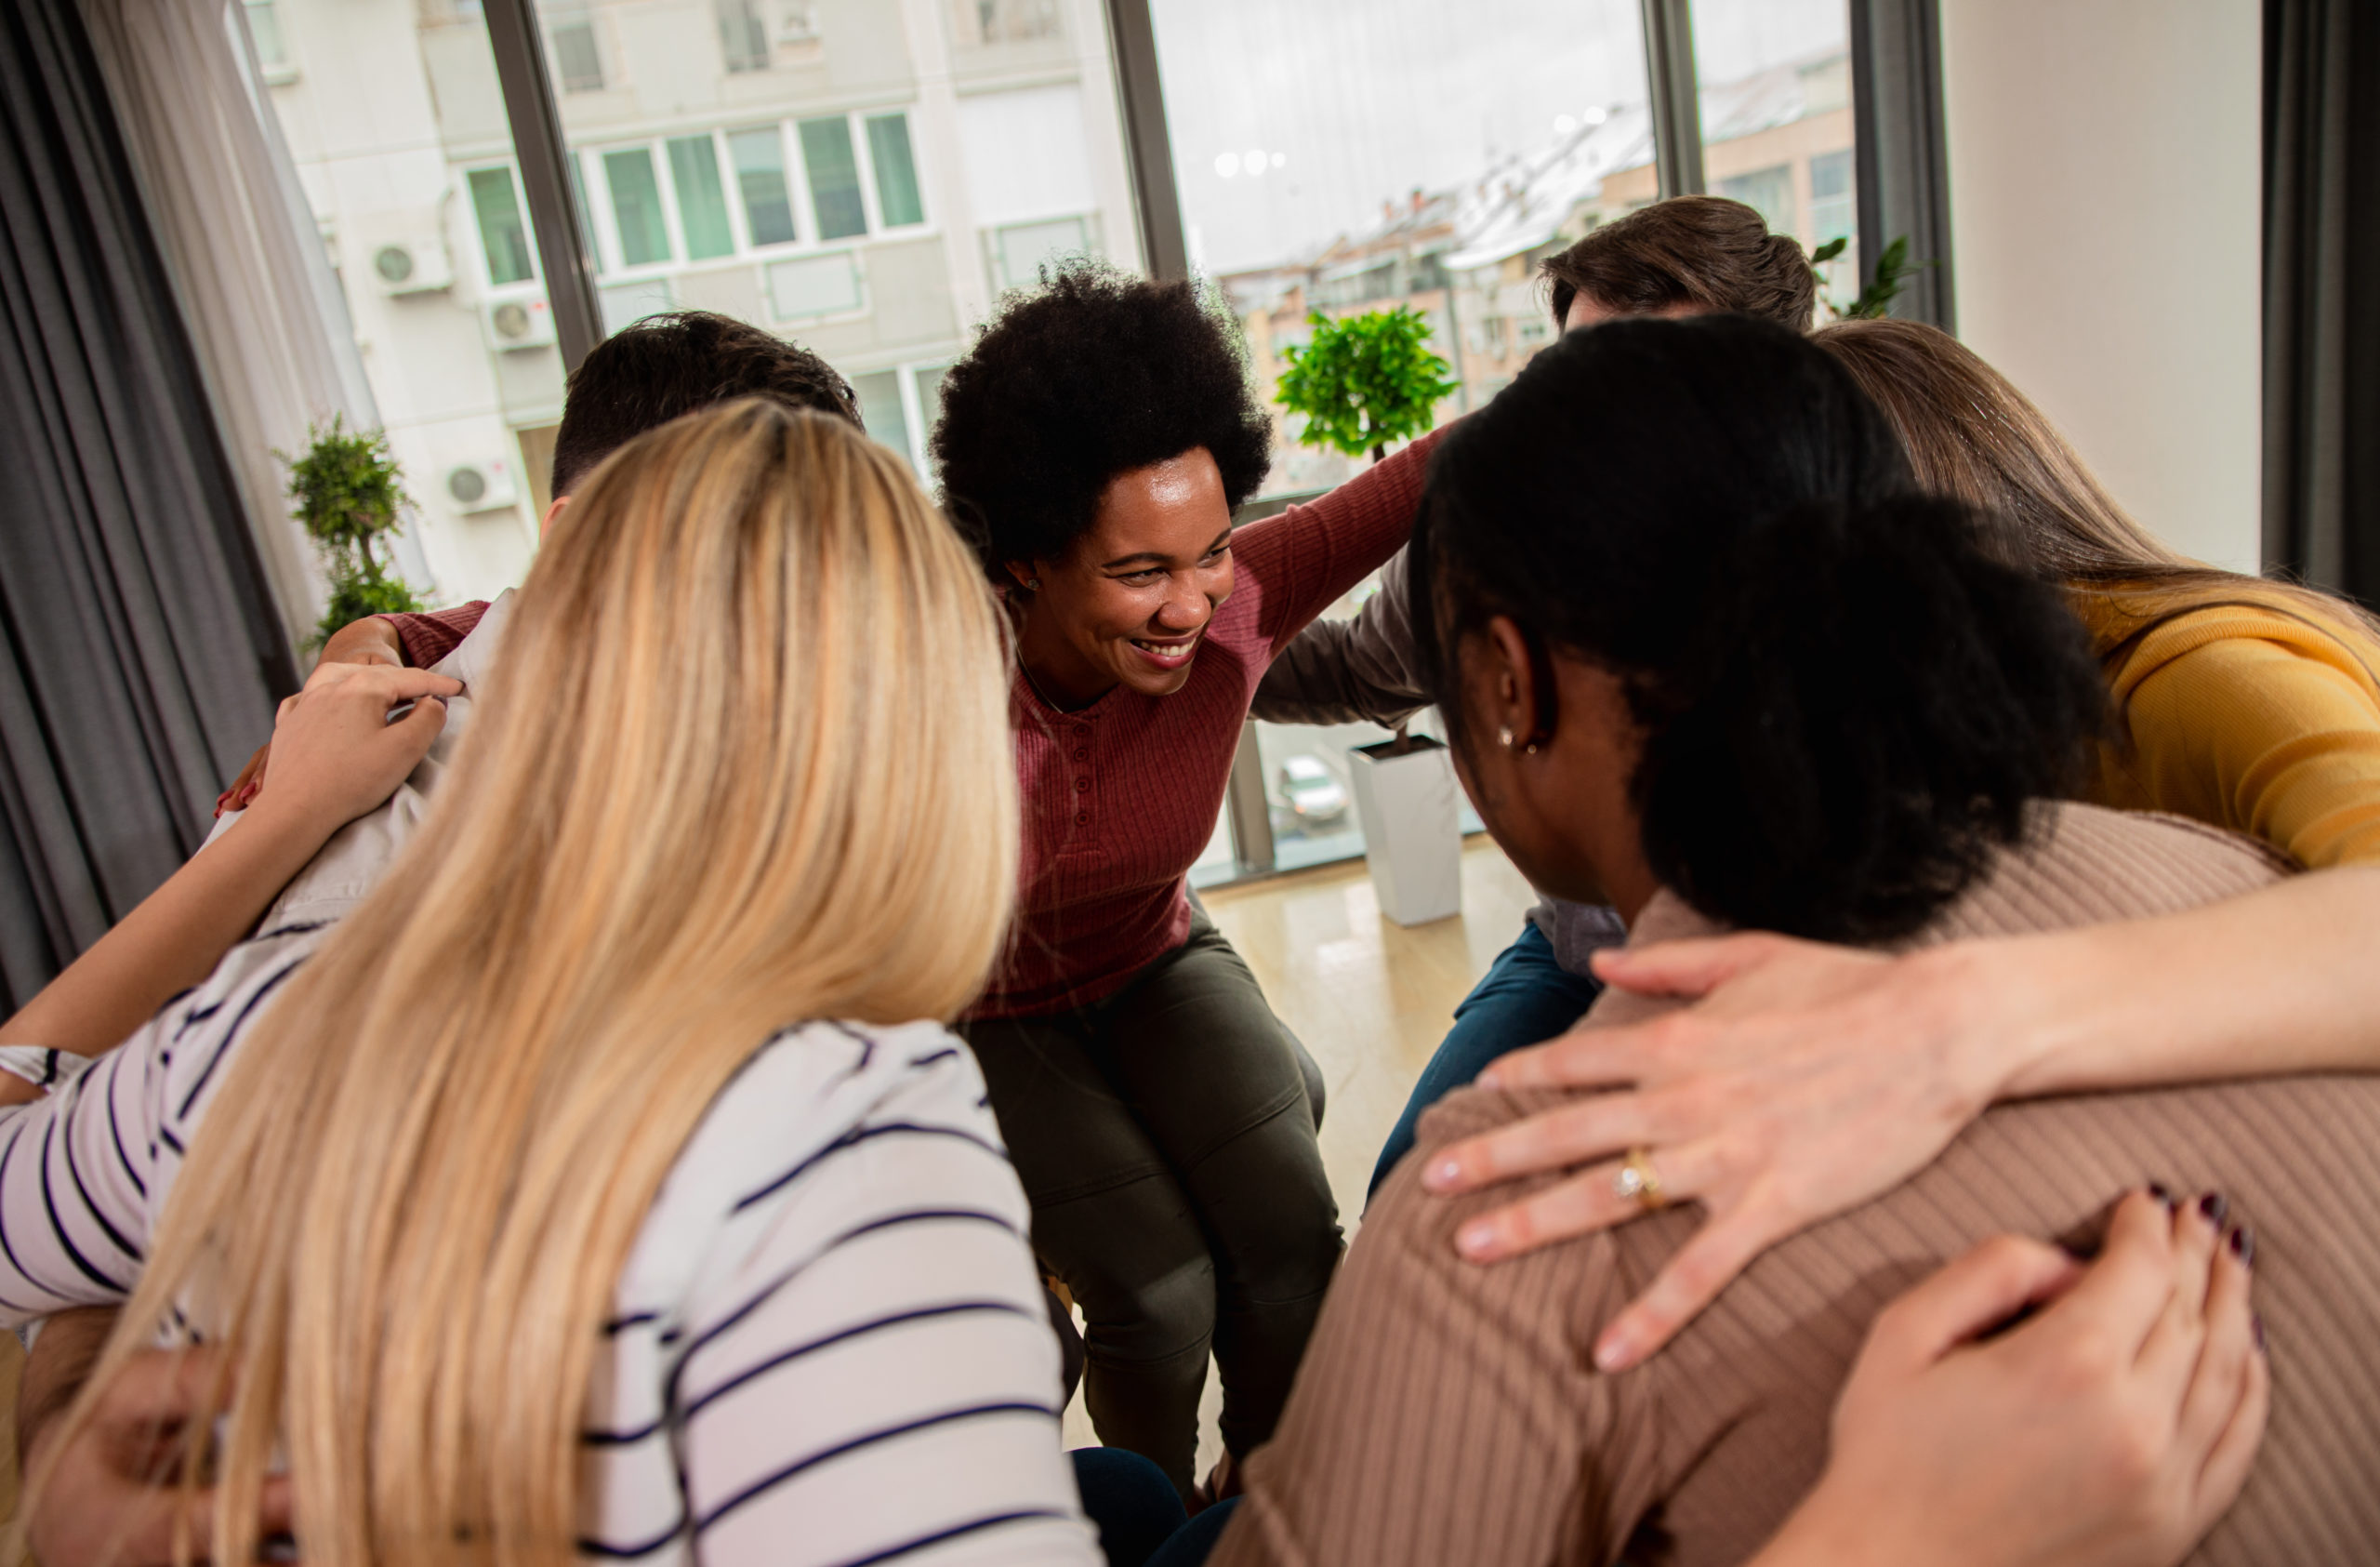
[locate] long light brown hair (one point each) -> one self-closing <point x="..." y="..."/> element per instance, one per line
<point x="1972" y="436"/>
<point x="744" y="762"/>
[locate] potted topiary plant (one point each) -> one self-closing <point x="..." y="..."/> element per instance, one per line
<point x="1365" y="382"/>
<point x="1361" y="384"/>
<point x="348" y="493"/>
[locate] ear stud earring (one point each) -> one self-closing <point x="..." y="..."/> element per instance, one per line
<point x="1033" y="583"/>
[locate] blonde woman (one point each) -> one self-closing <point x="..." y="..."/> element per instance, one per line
<point x="607" y="1184"/>
<point x="1810" y="1077"/>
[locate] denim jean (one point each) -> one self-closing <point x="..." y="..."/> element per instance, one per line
<point x="1128" y="1500"/>
<point x="1525" y="998"/>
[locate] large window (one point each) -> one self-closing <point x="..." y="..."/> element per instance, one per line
<point x="401" y="142"/>
<point x="811" y="168"/>
<point x="817" y="168"/>
<point x="1776" y="107"/>
<point x="1346" y="156"/>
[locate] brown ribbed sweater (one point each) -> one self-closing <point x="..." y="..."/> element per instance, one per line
<point x="1449" y="1414"/>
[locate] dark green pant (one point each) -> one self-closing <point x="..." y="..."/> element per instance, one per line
<point x="1166" y="1142"/>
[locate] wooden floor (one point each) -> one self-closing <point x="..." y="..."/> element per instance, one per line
<point x="1371" y="1000"/>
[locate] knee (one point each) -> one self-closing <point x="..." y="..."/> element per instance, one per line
<point x="1281" y="1236"/>
<point x="1154" y="1313"/>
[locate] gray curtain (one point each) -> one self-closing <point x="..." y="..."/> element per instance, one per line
<point x="2322" y="391"/>
<point x="139" y="654"/>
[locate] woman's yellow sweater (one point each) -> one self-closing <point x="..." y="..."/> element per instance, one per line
<point x="2249" y="718"/>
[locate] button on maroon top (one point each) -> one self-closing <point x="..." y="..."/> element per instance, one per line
<point x="1104" y="887"/>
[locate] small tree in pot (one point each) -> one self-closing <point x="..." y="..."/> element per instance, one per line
<point x="1365" y="381"/>
<point x="348" y="494"/>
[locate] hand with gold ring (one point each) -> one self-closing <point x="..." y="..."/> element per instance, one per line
<point x="1740" y="1103"/>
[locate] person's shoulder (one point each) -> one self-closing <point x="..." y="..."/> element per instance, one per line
<point x="2082" y="865"/>
<point x="2247" y="631"/>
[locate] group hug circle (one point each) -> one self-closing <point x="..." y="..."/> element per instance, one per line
<point x="695" y="1059"/>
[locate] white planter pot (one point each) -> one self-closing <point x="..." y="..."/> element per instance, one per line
<point x="1413" y="838"/>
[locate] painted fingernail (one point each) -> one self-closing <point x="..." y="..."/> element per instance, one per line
<point x="1475" y="1239"/>
<point x="2214" y="1207"/>
<point x="2256" y="1326"/>
<point x="2244" y="1245"/>
<point x="1442" y="1174"/>
<point x="2163" y="1192"/>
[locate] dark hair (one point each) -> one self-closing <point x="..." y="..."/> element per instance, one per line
<point x="1705" y="251"/>
<point x="1846" y="702"/>
<point x="642" y="377"/>
<point x="1095" y="374"/>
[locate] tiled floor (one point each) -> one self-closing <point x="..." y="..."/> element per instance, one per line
<point x="1370" y="1000"/>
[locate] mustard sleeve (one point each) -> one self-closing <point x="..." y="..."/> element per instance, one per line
<point x="2259" y="723"/>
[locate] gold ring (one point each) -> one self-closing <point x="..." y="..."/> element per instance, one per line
<point x="1637" y="1179"/>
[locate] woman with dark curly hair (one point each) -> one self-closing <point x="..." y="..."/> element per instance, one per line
<point x="1094" y="445"/>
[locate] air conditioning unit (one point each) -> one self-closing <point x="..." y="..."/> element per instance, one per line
<point x="410" y="266"/>
<point x="486" y="486"/>
<point x="523" y="322"/>
<point x="797" y="21"/>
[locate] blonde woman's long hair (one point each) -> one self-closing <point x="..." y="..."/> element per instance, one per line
<point x="1972" y="436"/>
<point x="744" y="762"/>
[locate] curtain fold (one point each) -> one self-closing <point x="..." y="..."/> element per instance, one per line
<point x="141" y="653"/>
<point x="2321" y="380"/>
<point x="241" y="247"/>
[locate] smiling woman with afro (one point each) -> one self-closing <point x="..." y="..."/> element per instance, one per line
<point x="1093" y="446"/>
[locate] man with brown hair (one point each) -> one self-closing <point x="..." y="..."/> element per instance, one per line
<point x="1683" y="257"/>
<point x="1686" y="256"/>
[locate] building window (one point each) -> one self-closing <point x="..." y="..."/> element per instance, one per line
<point x="575" y="60"/>
<point x="636" y="206"/>
<point x="1769" y="192"/>
<point x="896" y="170"/>
<point x="810" y="285"/>
<point x="881" y="410"/>
<point x="1831" y="213"/>
<point x="1001" y="22"/>
<point x="503" y="236"/>
<point x="624" y="304"/>
<point x="743" y="34"/>
<point x="264" y="31"/>
<point x="1018" y="251"/>
<point x="834" y="178"/>
<point x="702" y="200"/>
<point x="759" y="154"/>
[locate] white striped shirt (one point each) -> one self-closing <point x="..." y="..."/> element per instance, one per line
<point x="829" y="1343"/>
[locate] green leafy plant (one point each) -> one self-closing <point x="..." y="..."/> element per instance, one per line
<point x="1365" y="382"/>
<point x="348" y="494"/>
<point x="1894" y="269"/>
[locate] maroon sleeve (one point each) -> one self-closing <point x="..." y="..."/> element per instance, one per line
<point x="424" y="639"/>
<point x="1310" y="554"/>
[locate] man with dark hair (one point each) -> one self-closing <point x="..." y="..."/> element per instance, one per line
<point x="638" y="379"/>
<point x="666" y="366"/>
<point x="1686" y="256"/>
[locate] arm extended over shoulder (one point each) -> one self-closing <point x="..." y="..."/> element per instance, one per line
<point x="1349" y="672"/>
